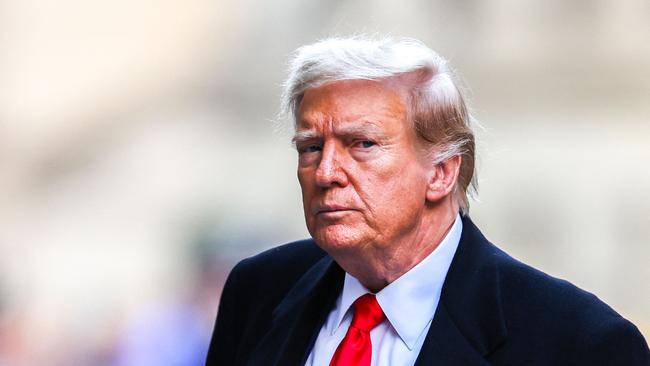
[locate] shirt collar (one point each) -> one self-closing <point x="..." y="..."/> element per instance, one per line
<point x="410" y="301"/>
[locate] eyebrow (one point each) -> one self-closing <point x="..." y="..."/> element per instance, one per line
<point x="304" y="135"/>
<point x="366" y="128"/>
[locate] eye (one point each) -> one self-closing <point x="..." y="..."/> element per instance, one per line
<point x="310" y="148"/>
<point x="366" y="144"/>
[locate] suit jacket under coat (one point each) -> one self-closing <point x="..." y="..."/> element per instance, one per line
<point x="493" y="310"/>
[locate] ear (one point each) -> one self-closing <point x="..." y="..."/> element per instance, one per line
<point x="443" y="179"/>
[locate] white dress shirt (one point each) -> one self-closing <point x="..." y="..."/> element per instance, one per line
<point x="409" y="303"/>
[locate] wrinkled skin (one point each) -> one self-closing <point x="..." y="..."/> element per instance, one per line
<point x="370" y="198"/>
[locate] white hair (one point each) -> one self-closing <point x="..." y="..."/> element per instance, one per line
<point x="437" y="109"/>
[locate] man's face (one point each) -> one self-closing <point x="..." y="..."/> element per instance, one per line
<point x="363" y="180"/>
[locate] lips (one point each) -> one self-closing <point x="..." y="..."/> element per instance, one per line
<point x="330" y="208"/>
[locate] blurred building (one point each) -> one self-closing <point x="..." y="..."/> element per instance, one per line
<point x="136" y="134"/>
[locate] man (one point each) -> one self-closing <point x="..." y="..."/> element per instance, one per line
<point x="396" y="272"/>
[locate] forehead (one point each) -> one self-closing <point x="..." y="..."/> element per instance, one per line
<point x="366" y="102"/>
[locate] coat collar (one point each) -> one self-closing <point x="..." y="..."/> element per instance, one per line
<point x="468" y="323"/>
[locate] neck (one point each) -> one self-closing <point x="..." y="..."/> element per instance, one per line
<point x="380" y="265"/>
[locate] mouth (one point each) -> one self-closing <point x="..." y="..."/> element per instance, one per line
<point x="332" y="210"/>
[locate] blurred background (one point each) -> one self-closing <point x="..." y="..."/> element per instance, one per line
<point x="139" y="159"/>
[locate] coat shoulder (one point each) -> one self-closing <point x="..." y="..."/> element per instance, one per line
<point x="530" y="293"/>
<point x="254" y="287"/>
<point x="270" y="275"/>
<point x="543" y="309"/>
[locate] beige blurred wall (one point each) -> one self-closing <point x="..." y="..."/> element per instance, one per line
<point x="127" y="128"/>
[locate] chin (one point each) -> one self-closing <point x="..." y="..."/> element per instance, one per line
<point x="338" y="238"/>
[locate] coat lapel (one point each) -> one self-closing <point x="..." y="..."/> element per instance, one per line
<point x="446" y="345"/>
<point x="297" y="319"/>
<point x="469" y="323"/>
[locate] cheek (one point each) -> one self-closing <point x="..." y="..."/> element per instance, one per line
<point x="300" y="173"/>
<point x="396" y="193"/>
<point x="305" y="181"/>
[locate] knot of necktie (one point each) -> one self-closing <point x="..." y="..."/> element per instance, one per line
<point x="367" y="313"/>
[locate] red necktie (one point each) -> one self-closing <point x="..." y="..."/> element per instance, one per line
<point x="356" y="349"/>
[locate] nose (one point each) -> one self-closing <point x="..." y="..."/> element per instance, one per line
<point x="330" y="170"/>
